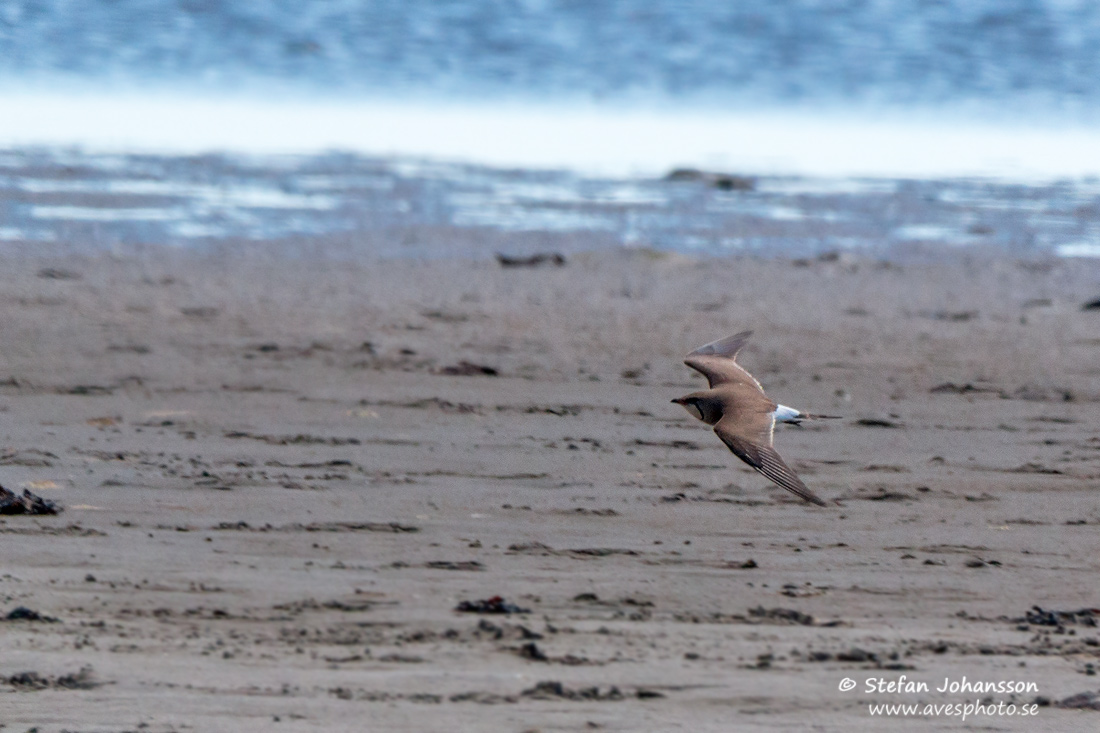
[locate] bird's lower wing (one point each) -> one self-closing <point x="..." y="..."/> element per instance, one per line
<point x="765" y="460"/>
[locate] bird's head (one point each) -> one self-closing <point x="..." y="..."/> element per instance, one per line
<point x="691" y="404"/>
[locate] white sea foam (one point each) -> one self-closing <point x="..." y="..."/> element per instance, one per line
<point x="514" y="219"/>
<point x="605" y="140"/>
<point x="235" y="195"/>
<point x="924" y="232"/>
<point x="14" y="234"/>
<point x="1079" y="249"/>
<point x="96" y="213"/>
<point x="826" y="186"/>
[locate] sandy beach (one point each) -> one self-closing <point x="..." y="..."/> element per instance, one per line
<point x="281" y="477"/>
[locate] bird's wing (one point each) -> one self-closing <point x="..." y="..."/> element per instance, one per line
<point x="717" y="361"/>
<point x="728" y="347"/>
<point x="750" y="439"/>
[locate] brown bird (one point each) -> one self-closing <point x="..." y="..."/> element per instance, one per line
<point x="742" y="415"/>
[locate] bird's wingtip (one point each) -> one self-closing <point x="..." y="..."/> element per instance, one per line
<point x="728" y="346"/>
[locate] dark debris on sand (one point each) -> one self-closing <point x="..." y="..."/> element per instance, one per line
<point x="782" y="615"/>
<point x="468" y="369"/>
<point x="531" y="651"/>
<point x="554" y="690"/>
<point x="721" y="181"/>
<point x="876" y="422"/>
<point x="32" y="681"/>
<point x="962" y="389"/>
<point x="12" y="503"/>
<point x="22" y="613"/>
<point x="535" y="260"/>
<point x="54" y="273"/>
<point x="496" y="604"/>
<point x="1081" y="701"/>
<point x="1043" y="617"/>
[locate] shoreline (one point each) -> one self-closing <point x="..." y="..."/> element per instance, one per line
<point x="620" y="141"/>
<point x="67" y="201"/>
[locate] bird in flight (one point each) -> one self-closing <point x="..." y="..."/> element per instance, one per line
<point x="742" y="415"/>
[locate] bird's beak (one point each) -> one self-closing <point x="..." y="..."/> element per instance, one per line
<point x="678" y="401"/>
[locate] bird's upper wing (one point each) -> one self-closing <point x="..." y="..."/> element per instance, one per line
<point x="728" y="347"/>
<point x="717" y="361"/>
<point x="749" y="436"/>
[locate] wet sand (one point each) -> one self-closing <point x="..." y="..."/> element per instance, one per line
<point x="276" y="495"/>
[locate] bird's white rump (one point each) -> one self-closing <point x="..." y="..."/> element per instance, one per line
<point x="786" y="414"/>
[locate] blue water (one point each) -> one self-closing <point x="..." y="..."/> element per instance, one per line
<point x="176" y="75"/>
<point x="356" y="206"/>
<point x="1037" y="55"/>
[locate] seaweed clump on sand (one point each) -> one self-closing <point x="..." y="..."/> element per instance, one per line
<point x="28" y="503"/>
